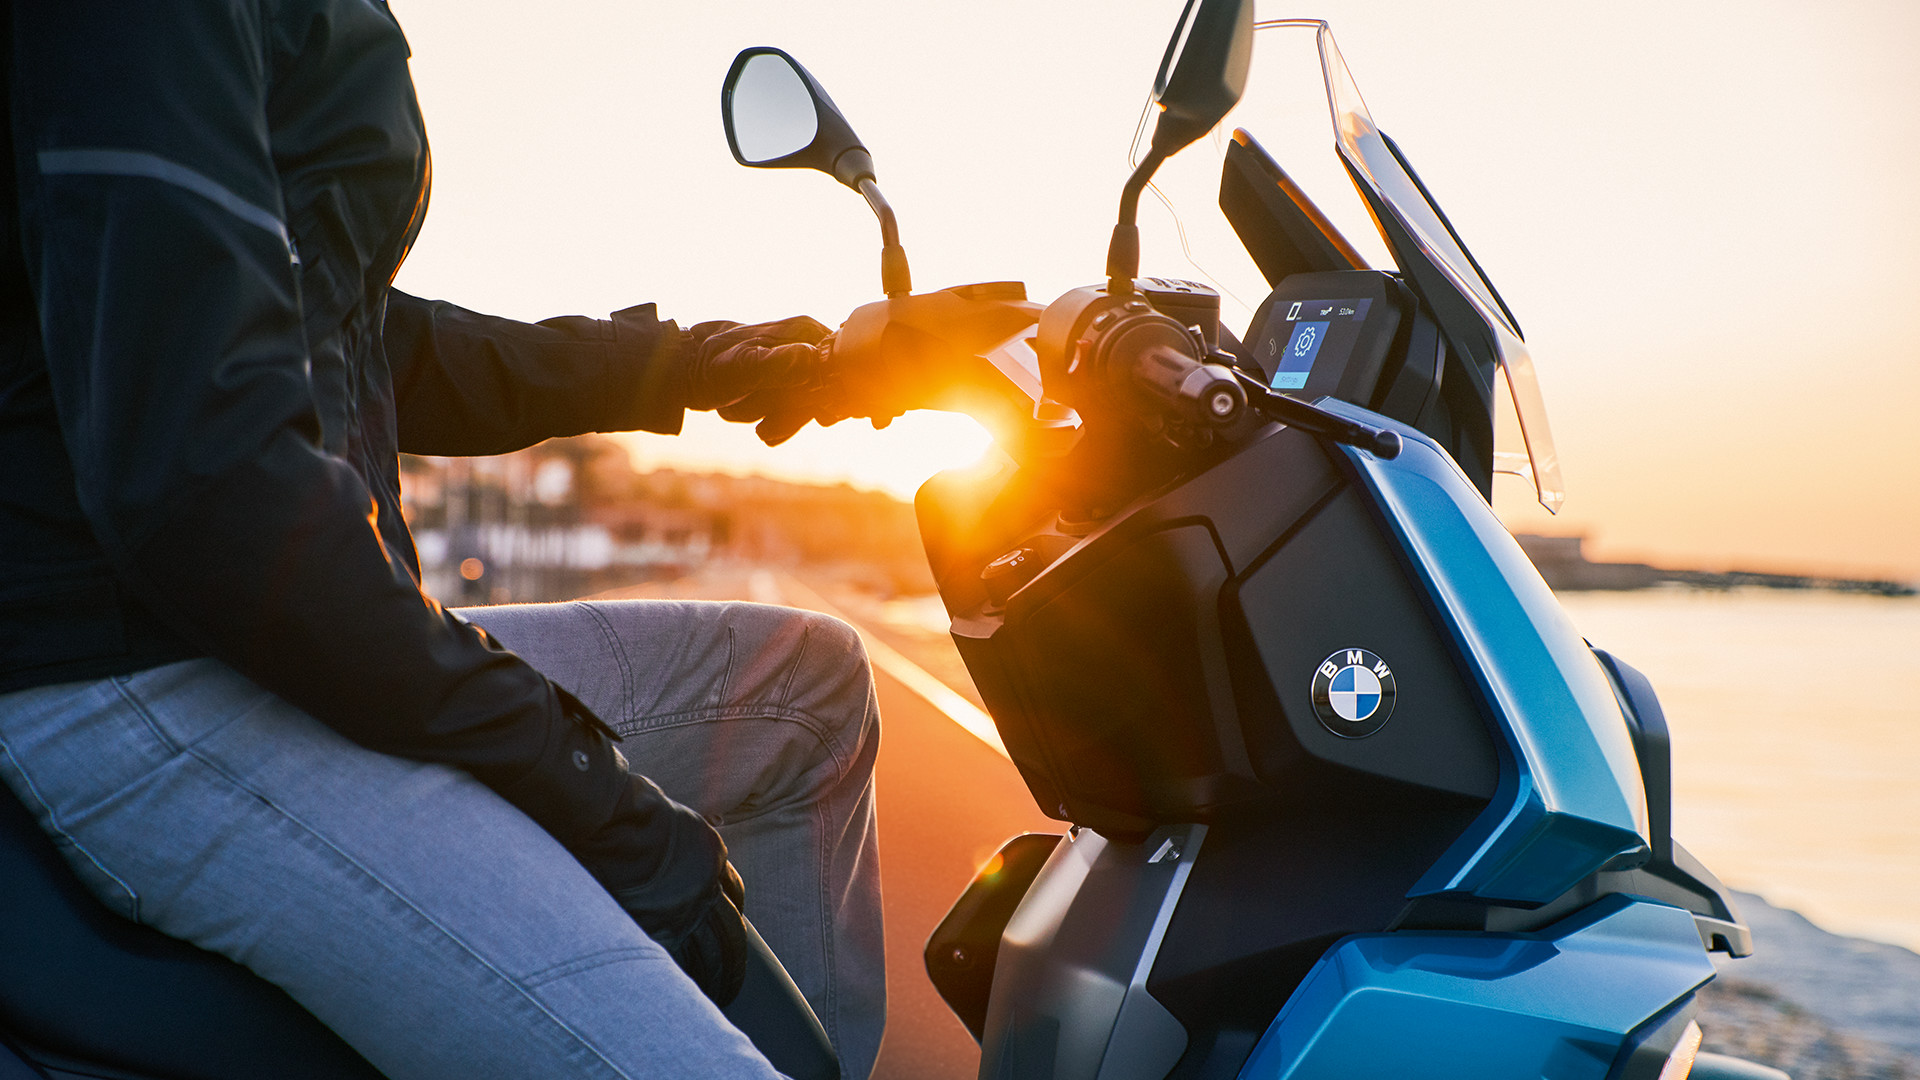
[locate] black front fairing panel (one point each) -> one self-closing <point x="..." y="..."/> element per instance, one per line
<point x="1157" y="667"/>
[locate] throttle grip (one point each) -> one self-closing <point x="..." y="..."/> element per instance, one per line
<point x="1148" y="358"/>
<point x="1199" y="393"/>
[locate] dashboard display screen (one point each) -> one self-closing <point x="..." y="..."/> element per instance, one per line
<point x="1300" y="333"/>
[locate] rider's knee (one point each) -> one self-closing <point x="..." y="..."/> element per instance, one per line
<point x="838" y="682"/>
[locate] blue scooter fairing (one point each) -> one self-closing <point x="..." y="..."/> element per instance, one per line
<point x="1451" y="1006"/>
<point x="1570" y="800"/>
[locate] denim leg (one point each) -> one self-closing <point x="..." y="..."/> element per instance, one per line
<point x="434" y="926"/>
<point x="763" y="719"/>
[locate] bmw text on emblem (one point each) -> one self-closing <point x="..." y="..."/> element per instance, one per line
<point x="1353" y="693"/>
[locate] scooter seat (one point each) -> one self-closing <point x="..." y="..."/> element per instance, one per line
<point x="81" y="986"/>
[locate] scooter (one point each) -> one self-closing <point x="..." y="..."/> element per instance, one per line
<point x="1190" y="595"/>
<point x="1348" y="795"/>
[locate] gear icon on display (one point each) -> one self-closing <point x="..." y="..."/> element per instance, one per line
<point x="1304" y="343"/>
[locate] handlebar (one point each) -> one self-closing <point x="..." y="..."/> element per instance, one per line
<point x="1198" y="393"/>
<point x="1149" y="363"/>
<point x="1153" y="364"/>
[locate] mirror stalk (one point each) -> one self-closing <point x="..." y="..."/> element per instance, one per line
<point x="1123" y="252"/>
<point x="895" y="279"/>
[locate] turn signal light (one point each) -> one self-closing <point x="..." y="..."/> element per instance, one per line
<point x="1679" y="1064"/>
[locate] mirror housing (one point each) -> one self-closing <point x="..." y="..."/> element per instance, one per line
<point x="766" y="97"/>
<point x="1204" y="72"/>
<point x="754" y="88"/>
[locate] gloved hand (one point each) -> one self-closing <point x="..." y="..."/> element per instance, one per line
<point x="751" y="371"/>
<point x="779" y="414"/>
<point x="713" y="950"/>
<point x="925" y="351"/>
<point x="667" y="868"/>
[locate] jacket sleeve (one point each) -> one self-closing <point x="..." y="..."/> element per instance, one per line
<point x="466" y="383"/>
<point x="152" y="231"/>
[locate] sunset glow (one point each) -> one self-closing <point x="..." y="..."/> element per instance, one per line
<point x="896" y="460"/>
<point x="1699" y="212"/>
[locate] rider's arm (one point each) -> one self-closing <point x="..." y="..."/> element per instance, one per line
<point x="466" y="383"/>
<point x="151" y="226"/>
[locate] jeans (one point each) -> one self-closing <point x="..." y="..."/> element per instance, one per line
<point x="426" y="920"/>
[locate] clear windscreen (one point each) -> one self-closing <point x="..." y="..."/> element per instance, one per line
<point x="1297" y="82"/>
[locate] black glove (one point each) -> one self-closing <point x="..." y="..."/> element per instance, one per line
<point x="779" y="414"/>
<point x="727" y="362"/>
<point x="713" y="951"/>
<point x="667" y="868"/>
<point x="925" y="351"/>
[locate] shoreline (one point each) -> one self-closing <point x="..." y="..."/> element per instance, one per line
<point x="1563" y="562"/>
<point x="1815" y="1003"/>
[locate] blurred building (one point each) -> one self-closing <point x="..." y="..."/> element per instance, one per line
<point x="1563" y="562"/>
<point x="571" y="517"/>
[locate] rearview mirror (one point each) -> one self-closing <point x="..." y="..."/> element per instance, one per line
<point x="1204" y="71"/>
<point x="1201" y="79"/>
<point x="778" y="117"/>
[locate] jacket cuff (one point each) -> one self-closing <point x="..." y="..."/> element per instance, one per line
<point x="579" y="784"/>
<point x="650" y="369"/>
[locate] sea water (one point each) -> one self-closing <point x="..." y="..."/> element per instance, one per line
<point x="1795" y="719"/>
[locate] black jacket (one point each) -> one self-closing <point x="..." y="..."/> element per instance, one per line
<point x="205" y="376"/>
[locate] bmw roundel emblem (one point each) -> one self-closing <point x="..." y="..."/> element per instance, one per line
<point x="1353" y="693"/>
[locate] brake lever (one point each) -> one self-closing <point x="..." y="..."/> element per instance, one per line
<point x="1380" y="442"/>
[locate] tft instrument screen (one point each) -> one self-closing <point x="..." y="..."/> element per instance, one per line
<point x="1299" y="333"/>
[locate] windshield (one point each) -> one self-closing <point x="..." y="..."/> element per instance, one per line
<point x="1297" y="68"/>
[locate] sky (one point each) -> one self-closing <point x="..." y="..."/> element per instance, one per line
<point x="1702" y="213"/>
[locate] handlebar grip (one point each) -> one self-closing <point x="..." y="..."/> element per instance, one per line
<point x="1199" y="393"/>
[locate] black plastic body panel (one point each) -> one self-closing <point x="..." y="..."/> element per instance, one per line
<point x="1115" y="671"/>
<point x="1335" y="584"/>
<point x="1273" y="888"/>
<point x="1156" y="609"/>
<point x="962" y="951"/>
<point x="1275" y="221"/>
<point x="1158" y="669"/>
